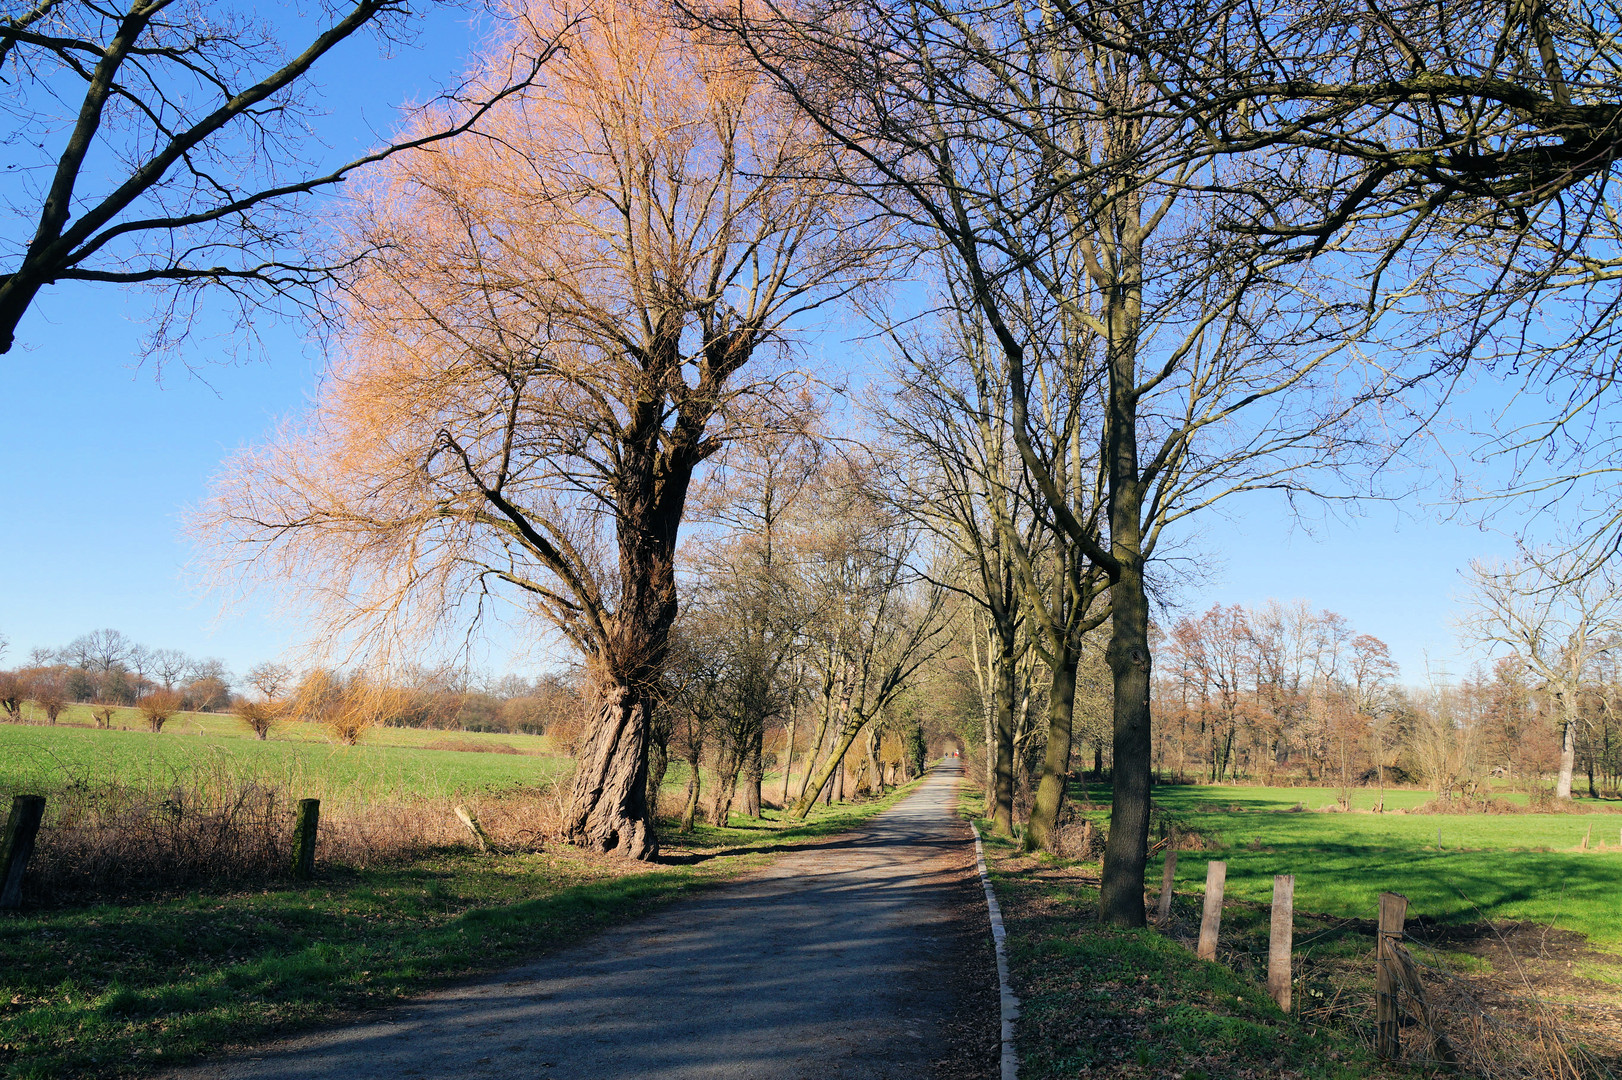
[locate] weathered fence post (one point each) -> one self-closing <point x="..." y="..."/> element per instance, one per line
<point x="1165" y="884"/>
<point x="1216" y="875"/>
<point x="1393" y="912"/>
<point x="22" y="825"/>
<point x="1281" y="940"/>
<point x="304" y="829"/>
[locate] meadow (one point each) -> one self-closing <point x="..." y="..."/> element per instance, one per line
<point x="388" y="762"/>
<point x="1454" y="868"/>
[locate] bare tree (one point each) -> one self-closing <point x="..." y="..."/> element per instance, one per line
<point x="1034" y="160"/>
<point x="1557" y="624"/>
<point x="270" y="678"/>
<point x="158" y="707"/>
<point x="184" y="163"/>
<point x="169" y="666"/>
<point x="551" y="344"/>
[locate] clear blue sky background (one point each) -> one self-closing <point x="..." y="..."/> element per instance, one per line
<point x="99" y="457"/>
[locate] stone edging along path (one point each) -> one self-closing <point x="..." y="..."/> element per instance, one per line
<point x="1005" y="994"/>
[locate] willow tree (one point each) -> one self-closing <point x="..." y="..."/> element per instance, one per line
<point x="567" y="318"/>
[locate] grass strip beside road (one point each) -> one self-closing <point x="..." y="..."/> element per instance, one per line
<point x="107" y="990"/>
<point x="1134" y="1003"/>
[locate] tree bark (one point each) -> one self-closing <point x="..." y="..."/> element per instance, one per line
<point x="658" y="764"/>
<point x="788" y="760"/>
<point x="877" y="772"/>
<point x="1568" y="753"/>
<point x="1056" y="765"/>
<point x="1002" y="785"/>
<point x="689" y="812"/>
<point x="819" y="781"/>
<point x="610" y="803"/>
<point x="753" y="772"/>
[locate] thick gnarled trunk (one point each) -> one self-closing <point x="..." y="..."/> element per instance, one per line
<point x="609" y="800"/>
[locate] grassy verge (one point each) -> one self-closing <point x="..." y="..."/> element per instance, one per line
<point x="1454" y="868"/>
<point x="1097" y="1001"/>
<point x="116" y="990"/>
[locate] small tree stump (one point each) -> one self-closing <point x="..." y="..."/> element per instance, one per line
<point x="1216" y="876"/>
<point x="305" y="825"/>
<point x="482" y="838"/>
<point x="1281" y="939"/>
<point x="1388" y="1023"/>
<point x="17" y="846"/>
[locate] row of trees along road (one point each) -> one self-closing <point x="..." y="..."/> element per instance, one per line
<point x="1174" y="235"/>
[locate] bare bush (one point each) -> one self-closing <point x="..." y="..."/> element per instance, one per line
<point x="157" y="708"/>
<point x="258" y="715"/>
<point x="12" y="693"/>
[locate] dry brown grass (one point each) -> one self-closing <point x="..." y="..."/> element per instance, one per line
<point x="217" y="827"/>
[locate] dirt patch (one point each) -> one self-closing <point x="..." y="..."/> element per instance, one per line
<point x="1542" y="974"/>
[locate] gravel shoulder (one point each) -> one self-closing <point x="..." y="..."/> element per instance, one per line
<point x="861" y="957"/>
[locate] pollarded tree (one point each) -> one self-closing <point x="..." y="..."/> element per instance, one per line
<point x="553" y="340"/>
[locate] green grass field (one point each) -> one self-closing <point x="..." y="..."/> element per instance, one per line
<point x="387" y="762"/>
<point x="1452" y="867"/>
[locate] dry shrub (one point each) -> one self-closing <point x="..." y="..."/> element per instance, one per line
<point x="258" y="715"/>
<point x="1081" y="840"/>
<point x="472" y="746"/>
<point x="157" y="707"/>
<point x="220" y="827"/>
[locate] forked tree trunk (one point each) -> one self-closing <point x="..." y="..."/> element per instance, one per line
<point x="609" y="804"/>
<point x="830" y="770"/>
<point x="1056" y="765"/>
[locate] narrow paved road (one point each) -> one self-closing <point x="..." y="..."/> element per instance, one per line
<point x="841" y="960"/>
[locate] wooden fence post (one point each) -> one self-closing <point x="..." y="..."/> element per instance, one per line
<point x="1165" y="885"/>
<point x="304" y="830"/>
<point x="22" y="825"/>
<point x="1216" y="875"/>
<point x="1393" y="913"/>
<point x="1281" y="940"/>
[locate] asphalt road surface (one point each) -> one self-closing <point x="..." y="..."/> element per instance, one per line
<point x="843" y="959"/>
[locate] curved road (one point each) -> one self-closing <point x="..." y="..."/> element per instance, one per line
<point x="842" y="959"/>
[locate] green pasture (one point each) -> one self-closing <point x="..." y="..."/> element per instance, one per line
<point x="388" y="762"/>
<point x="1452" y="867"/>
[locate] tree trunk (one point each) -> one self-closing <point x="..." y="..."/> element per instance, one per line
<point x="788" y="760"/>
<point x="689" y="812"/>
<point x="610" y="798"/>
<point x="1003" y="670"/>
<point x="1120" y="901"/>
<point x="1568" y="755"/>
<point x="753" y="772"/>
<point x="658" y="764"/>
<point x="877" y="773"/>
<point x="1056" y="765"/>
<point x="818" y="782"/>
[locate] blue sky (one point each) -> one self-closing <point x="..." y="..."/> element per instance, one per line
<point x="99" y="457"/>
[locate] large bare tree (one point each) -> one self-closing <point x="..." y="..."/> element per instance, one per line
<point x="1558" y="624"/>
<point x="566" y="320"/>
